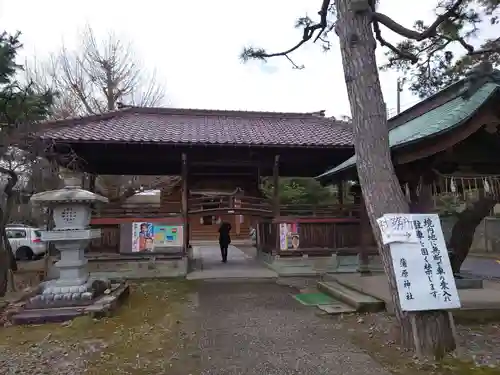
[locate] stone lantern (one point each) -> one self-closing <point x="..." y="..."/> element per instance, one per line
<point x="71" y="207"/>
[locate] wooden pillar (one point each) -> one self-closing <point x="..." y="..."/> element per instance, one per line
<point x="257" y="182"/>
<point x="276" y="182"/>
<point x="421" y="200"/>
<point x="185" y="208"/>
<point x="92" y="179"/>
<point x="276" y="198"/>
<point x="340" y="190"/>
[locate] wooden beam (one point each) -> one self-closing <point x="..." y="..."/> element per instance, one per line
<point x="222" y="173"/>
<point x="233" y="211"/>
<point x="226" y="163"/>
<point x="176" y="220"/>
<point x="185" y="208"/>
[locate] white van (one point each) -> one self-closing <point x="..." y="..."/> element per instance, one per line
<point x="26" y="241"/>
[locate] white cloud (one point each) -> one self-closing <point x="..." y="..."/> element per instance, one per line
<point x="195" y="47"/>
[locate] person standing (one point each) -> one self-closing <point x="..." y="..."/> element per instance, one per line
<point x="224" y="240"/>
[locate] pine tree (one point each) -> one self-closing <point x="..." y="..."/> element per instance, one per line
<point x="20" y="107"/>
<point x="360" y="27"/>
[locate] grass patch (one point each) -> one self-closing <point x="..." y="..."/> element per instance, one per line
<point x="149" y="334"/>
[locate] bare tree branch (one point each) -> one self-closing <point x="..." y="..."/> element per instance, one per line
<point x="95" y="76"/>
<point x="311" y="30"/>
<point x="412" y="34"/>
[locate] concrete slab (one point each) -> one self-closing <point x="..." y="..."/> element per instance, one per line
<point x="240" y="265"/>
<point x="231" y="274"/>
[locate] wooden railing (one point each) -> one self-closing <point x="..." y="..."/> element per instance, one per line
<point x="320" y="210"/>
<point x="229" y="204"/>
<point x="224" y="204"/>
<point x="113" y="210"/>
<point x="318" y="236"/>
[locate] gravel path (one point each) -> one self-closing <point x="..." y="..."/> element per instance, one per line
<point x="258" y="328"/>
<point x="178" y="328"/>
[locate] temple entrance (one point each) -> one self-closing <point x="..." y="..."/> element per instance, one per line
<point x="216" y="160"/>
<point x="242" y="212"/>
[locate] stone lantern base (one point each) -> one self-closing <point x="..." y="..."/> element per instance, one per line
<point x="54" y="295"/>
<point x="73" y="287"/>
<point x="74" y="293"/>
<point x="103" y="306"/>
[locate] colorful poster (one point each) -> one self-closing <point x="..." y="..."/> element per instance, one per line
<point x="151" y="237"/>
<point x="289" y="236"/>
<point x="165" y="235"/>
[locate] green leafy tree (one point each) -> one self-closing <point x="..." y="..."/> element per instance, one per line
<point x="300" y="191"/>
<point x="450" y="54"/>
<point x="443" y="59"/>
<point x="360" y="27"/>
<point x="20" y="107"/>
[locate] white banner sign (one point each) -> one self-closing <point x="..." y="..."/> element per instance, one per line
<point x="422" y="267"/>
<point x="397" y="228"/>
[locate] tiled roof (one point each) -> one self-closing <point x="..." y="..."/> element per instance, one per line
<point x="187" y="126"/>
<point x="437" y="121"/>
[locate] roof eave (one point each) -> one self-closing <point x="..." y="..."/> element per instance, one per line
<point x="191" y="144"/>
<point x="329" y="176"/>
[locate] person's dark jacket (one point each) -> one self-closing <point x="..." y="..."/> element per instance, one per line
<point x="224" y="237"/>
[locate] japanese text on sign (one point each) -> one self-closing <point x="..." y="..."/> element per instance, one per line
<point x="423" y="272"/>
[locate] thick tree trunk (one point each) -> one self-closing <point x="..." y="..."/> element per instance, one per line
<point x="379" y="184"/>
<point x="7" y="259"/>
<point x="462" y="234"/>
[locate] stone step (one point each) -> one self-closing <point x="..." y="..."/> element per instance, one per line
<point x="337" y="309"/>
<point x="215" y="237"/>
<point x="232" y="274"/>
<point x="359" y="301"/>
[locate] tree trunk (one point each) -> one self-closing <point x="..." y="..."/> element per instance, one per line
<point x="7" y="259"/>
<point x="379" y="184"/>
<point x="462" y="234"/>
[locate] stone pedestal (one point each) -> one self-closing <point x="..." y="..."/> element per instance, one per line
<point x="73" y="289"/>
<point x="72" y="211"/>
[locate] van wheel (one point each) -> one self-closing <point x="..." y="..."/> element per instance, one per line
<point x="24" y="253"/>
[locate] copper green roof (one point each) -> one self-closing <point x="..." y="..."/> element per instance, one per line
<point x="434" y="122"/>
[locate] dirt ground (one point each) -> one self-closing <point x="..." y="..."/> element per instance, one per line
<point x="179" y="328"/>
<point x="182" y="328"/>
<point x="478" y="353"/>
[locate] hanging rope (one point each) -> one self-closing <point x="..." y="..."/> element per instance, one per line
<point x="464" y="186"/>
